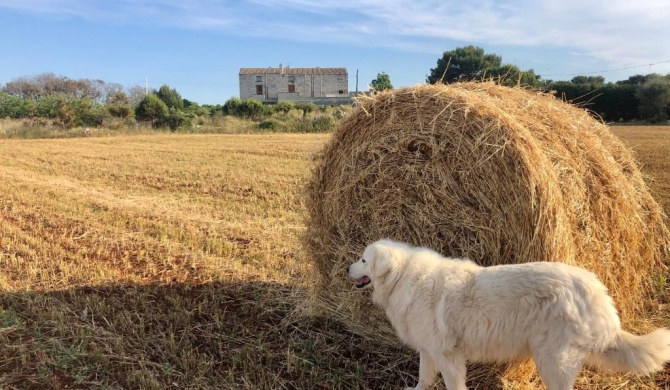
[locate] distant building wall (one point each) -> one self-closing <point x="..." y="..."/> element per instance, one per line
<point x="274" y="84"/>
<point x="322" y="101"/>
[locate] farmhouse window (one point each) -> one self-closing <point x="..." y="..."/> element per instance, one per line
<point x="259" y="89"/>
<point x="259" y="79"/>
<point x="291" y="79"/>
<point x="341" y="91"/>
<point x="291" y="87"/>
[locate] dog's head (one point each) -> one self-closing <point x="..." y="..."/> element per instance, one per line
<point x="377" y="261"/>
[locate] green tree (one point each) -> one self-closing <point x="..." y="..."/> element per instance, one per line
<point x="250" y="108"/>
<point x="232" y="106"/>
<point x="510" y="75"/>
<point x="87" y="112"/>
<point x="571" y="92"/>
<point x="118" y="104"/>
<point x="595" y="81"/>
<point x="285" y="106"/>
<point x="189" y="104"/>
<point x="57" y="108"/>
<point x="176" y="119"/>
<point x="306" y="107"/>
<point x="152" y="109"/>
<point x="382" y="82"/>
<point x="617" y="102"/>
<point x="613" y="102"/>
<point x="170" y="97"/>
<point x="637" y="79"/>
<point x="13" y="106"/>
<point x="654" y="97"/>
<point x="323" y="124"/>
<point x="465" y="64"/>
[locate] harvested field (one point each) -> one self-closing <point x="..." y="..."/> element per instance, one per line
<point x="166" y="261"/>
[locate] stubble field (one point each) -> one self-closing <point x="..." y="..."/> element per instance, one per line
<point x="174" y="261"/>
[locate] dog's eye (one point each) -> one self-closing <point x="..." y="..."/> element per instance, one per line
<point x="363" y="260"/>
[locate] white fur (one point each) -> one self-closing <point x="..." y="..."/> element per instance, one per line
<point x="453" y="311"/>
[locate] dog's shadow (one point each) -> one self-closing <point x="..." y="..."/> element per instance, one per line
<point x="230" y="335"/>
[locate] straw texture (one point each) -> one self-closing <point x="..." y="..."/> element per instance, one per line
<point x="499" y="175"/>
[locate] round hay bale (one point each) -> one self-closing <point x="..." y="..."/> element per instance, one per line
<point x="499" y="175"/>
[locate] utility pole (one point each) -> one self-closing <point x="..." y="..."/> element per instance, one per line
<point x="357" y="81"/>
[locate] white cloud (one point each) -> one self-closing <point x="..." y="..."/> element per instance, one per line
<point x="619" y="33"/>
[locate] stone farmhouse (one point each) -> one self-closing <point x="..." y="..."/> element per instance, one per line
<point x="326" y="86"/>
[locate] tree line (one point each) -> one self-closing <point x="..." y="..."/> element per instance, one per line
<point x="65" y="102"/>
<point x="57" y="100"/>
<point x="639" y="98"/>
<point x="48" y="99"/>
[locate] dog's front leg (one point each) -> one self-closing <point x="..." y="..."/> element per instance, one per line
<point x="453" y="369"/>
<point x="427" y="372"/>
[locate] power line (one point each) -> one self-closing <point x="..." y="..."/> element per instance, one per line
<point x="607" y="70"/>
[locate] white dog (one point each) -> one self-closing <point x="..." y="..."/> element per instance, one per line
<point x="453" y="311"/>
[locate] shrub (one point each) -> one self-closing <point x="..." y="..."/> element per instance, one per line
<point x="119" y="111"/>
<point x="232" y="106"/>
<point x="251" y="108"/>
<point x="284" y="106"/>
<point x="654" y="97"/>
<point x="57" y="108"/>
<point x="170" y="97"/>
<point x="152" y="109"/>
<point x="118" y="105"/>
<point x="176" y="119"/>
<point x="13" y="107"/>
<point x="268" y="110"/>
<point x="115" y="123"/>
<point x="302" y="125"/>
<point x="306" y="107"/>
<point x="87" y="113"/>
<point x="323" y="124"/>
<point x="271" y="125"/>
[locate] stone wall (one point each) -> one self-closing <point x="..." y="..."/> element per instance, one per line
<point x="306" y="86"/>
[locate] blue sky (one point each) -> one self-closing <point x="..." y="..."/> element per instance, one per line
<point x="198" y="46"/>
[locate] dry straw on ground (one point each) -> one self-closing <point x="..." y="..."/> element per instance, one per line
<point x="496" y="174"/>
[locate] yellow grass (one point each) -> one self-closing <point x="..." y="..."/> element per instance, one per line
<point x="653" y="146"/>
<point x="174" y="261"/>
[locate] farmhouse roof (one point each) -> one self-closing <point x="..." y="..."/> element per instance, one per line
<point x="293" y="71"/>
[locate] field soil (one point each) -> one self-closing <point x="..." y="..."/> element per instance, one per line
<point x="175" y="262"/>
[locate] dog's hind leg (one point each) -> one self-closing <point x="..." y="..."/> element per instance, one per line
<point x="559" y="368"/>
<point x="453" y="369"/>
<point x="427" y="372"/>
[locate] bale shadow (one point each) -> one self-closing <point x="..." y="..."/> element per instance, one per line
<point x="227" y="335"/>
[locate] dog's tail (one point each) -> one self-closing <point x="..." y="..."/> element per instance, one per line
<point x="637" y="354"/>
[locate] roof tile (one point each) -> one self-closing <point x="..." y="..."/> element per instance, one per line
<point x="293" y="71"/>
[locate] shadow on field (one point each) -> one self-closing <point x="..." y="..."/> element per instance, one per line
<point x="227" y="335"/>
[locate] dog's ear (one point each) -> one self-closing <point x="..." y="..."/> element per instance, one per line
<point x="382" y="258"/>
